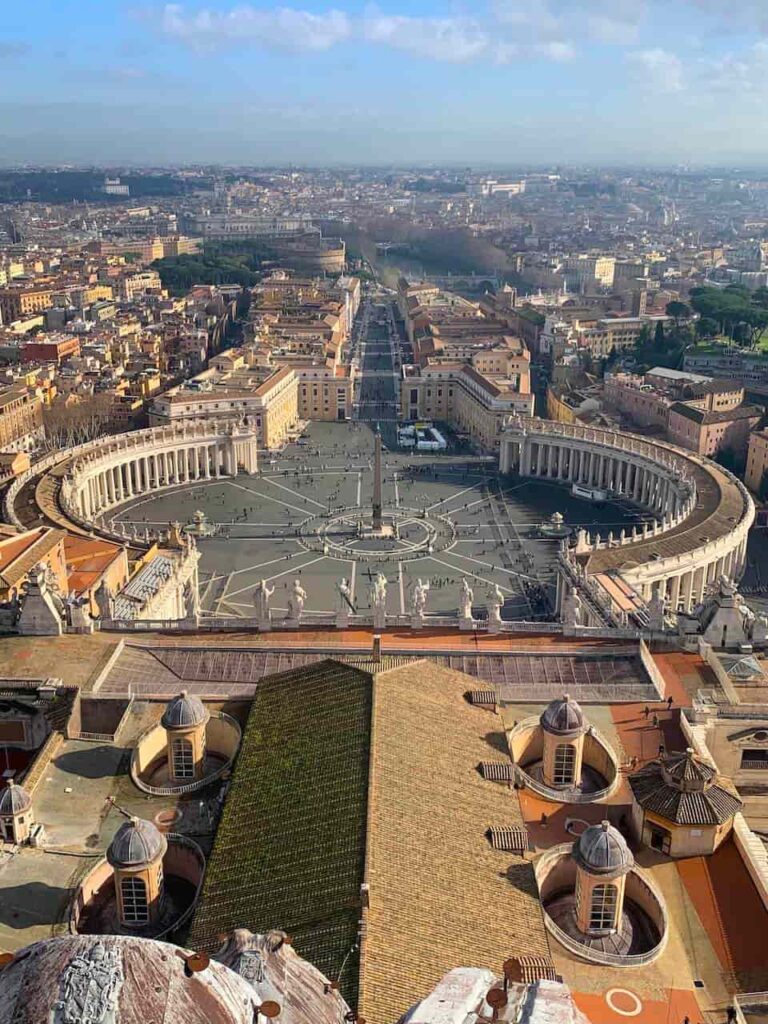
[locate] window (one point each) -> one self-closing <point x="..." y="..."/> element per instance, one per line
<point x="183" y="759"/>
<point x="755" y="757"/>
<point x="602" y="913"/>
<point x="134" y="895"/>
<point x="565" y="764"/>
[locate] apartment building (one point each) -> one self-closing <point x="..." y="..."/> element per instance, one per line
<point x="269" y="400"/>
<point x="474" y="404"/>
<point x="757" y="460"/>
<point x="704" y="415"/>
<point x="21" y="419"/>
<point x="20" y="301"/>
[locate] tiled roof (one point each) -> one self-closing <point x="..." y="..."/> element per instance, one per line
<point x="711" y="806"/>
<point x="440" y="895"/>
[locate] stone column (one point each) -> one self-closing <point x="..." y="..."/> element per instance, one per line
<point x="674" y="594"/>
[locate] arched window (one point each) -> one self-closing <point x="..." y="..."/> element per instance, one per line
<point x="134" y="895"/>
<point x="602" y="913"/>
<point x="565" y="764"/>
<point x="183" y="759"/>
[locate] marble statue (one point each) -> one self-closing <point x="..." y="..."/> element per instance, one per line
<point x="261" y="596"/>
<point x="379" y="600"/>
<point x="296" y="599"/>
<point x="466" y="597"/>
<point x="344" y="603"/>
<point x="656" y="612"/>
<point x="494" y="603"/>
<point x="573" y="609"/>
<point x="419" y="599"/>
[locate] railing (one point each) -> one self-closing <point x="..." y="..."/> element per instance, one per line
<point x="174" y="838"/>
<point x="571" y="795"/>
<point x="754" y="765"/>
<point x="187" y="787"/>
<point x="588" y="953"/>
<point x="179" y="840"/>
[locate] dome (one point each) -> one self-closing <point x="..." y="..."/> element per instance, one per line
<point x="127" y="978"/>
<point x="688" y="772"/>
<point x="14" y="799"/>
<point x="183" y="712"/>
<point x="602" y="850"/>
<point x="136" y="842"/>
<point x="563" y="717"/>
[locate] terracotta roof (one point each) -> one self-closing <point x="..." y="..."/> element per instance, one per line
<point x="88" y="558"/>
<point x="684" y="790"/>
<point x="440" y="895"/>
<point x="20" y="554"/>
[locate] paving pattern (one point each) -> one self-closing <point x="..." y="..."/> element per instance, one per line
<point x="298" y="517"/>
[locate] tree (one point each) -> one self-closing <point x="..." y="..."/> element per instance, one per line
<point x="659" y="341"/>
<point x="678" y="311"/>
<point x="69" y="423"/>
<point x="706" y="327"/>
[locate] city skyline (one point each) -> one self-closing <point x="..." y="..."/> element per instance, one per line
<point x="500" y="82"/>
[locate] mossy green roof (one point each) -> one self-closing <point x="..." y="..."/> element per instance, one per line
<point x="290" y="848"/>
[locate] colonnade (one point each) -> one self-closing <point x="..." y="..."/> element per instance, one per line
<point x="622" y="472"/>
<point x="135" y="464"/>
<point x="677" y="569"/>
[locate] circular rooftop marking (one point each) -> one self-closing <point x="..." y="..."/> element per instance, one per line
<point x="617" y="999"/>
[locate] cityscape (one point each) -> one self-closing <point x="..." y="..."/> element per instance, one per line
<point x="383" y="509"/>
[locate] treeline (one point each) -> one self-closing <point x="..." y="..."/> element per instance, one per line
<point x="737" y="312"/>
<point x="236" y="262"/>
<point x="88" y="186"/>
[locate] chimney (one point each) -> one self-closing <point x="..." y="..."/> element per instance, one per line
<point x="377" y="647"/>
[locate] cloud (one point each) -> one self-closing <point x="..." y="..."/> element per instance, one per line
<point x="604" y="21"/>
<point x="659" y="69"/>
<point x="280" y="28"/>
<point x="456" y="40"/>
<point x="10" y="48"/>
<point x="557" y="50"/>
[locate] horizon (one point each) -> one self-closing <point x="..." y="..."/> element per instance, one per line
<point x="497" y="84"/>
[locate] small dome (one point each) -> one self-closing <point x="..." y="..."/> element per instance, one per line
<point x="563" y="717"/>
<point x="135" y="843"/>
<point x="14" y="799"/>
<point x="183" y="712"/>
<point x="688" y="772"/>
<point x="602" y="850"/>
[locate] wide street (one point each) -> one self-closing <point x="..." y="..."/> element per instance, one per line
<point x="378" y="394"/>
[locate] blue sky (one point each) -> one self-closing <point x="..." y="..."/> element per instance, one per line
<point x="482" y="83"/>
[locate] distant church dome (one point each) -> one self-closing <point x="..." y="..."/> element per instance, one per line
<point x="602" y="850"/>
<point x="183" y="712"/>
<point x="136" y="843"/>
<point x="563" y="717"/>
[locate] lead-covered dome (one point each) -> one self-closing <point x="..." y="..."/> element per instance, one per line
<point x="14" y="799"/>
<point x="126" y="979"/>
<point x="602" y="850"/>
<point x="563" y="717"/>
<point x="137" y="842"/>
<point x="184" y="712"/>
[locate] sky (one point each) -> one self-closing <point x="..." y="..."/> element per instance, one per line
<point x="402" y="82"/>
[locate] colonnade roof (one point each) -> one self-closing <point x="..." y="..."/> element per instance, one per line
<point x="720" y="507"/>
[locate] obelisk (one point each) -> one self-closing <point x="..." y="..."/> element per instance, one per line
<point x="377" y="521"/>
